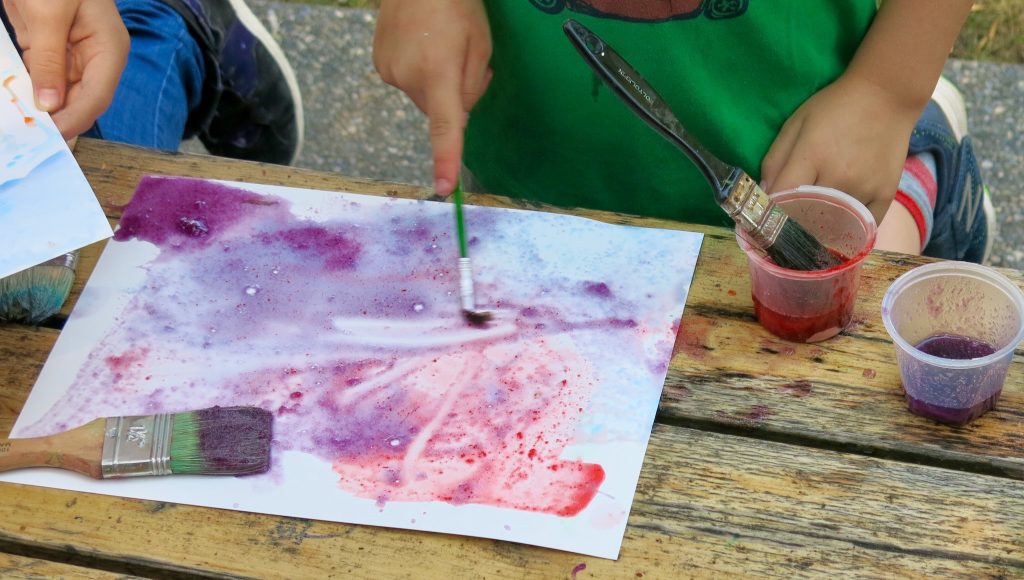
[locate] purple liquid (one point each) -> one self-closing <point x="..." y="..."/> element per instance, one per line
<point x="957" y="347"/>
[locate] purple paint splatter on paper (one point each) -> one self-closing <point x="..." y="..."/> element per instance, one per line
<point x="348" y="329"/>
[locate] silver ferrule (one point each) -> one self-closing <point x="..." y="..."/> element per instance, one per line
<point x="466" y="285"/>
<point x="753" y="211"/>
<point x="137" y="446"/>
<point x="68" y="260"/>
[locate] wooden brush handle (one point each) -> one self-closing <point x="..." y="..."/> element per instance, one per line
<point x="79" y="449"/>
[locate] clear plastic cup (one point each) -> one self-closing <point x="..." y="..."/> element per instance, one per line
<point x="809" y="306"/>
<point x="940" y="314"/>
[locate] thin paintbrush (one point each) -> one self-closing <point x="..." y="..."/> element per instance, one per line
<point x="36" y="293"/>
<point x="466" y="291"/>
<point x="786" y="242"/>
<point x="214" y="441"/>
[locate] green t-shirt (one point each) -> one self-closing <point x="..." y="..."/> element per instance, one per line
<point x="732" y="71"/>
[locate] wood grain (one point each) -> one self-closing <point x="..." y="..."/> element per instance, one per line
<point x="728" y="372"/>
<point x="37" y="569"/>
<point x="707" y="505"/>
<point x="737" y="478"/>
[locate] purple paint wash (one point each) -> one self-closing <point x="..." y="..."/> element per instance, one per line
<point x="339" y="314"/>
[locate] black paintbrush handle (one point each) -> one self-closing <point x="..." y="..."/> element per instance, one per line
<point x="765" y="224"/>
<point x="641" y="97"/>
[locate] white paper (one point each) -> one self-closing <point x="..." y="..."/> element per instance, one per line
<point x="340" y="314"/>
<point x="47" y="207"/>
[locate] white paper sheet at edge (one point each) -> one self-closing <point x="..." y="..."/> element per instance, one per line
<point x="52" y="210"/>
<point x="269" y="494"/>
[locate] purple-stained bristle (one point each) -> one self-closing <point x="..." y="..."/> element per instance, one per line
<point x="478" y="318"/>
<point x="222" y="441"/>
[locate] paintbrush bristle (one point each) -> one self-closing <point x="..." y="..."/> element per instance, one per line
<point x="477" y="317"/>
<point x="37" y="293"/>
<point x="221" y="441"/>
<point x="797" y="249"/>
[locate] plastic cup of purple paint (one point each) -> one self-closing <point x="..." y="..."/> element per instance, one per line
<point x="955" y="326"/>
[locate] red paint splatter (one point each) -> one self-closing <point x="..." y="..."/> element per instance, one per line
<point x="731" y="292"/>
<point x="578" y="568"/>
<point x="758" y="414"/>
<point x="126" y="364"/>
<point x="799" y="388"/>
<point x="476" y="420"/>
<point x="869" y="373"/>
<point x="693" y="336"/>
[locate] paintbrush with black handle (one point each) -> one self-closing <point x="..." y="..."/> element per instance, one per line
<point x="214" y="441"/>
<point x="786" y="242"/>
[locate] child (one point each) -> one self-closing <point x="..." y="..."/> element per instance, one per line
<point x="153" y="73"/>
<point x="826" y="93"/>
<point x="204" y="68"/>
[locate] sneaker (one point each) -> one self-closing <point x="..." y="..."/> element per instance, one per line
<point x="253" y="108"/>
<point x="965" y="221"/>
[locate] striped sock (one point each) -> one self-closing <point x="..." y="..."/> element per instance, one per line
<point x="917" y="192"/>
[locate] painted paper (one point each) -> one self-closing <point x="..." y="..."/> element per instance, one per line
<point x="340" y="313"/>
<point x="47" y="207"/>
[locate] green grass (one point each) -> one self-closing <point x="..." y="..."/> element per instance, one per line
<point x="994" y="31"/>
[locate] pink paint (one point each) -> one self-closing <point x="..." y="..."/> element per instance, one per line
<point x="799" y="388"/>
<point x="578" y="568"/>
<point x="350" y="332"/>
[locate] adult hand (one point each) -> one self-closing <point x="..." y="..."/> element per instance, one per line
<point x="75" y="51"/>
<point x="438" y="53"/>
<point x="852" y="136"/>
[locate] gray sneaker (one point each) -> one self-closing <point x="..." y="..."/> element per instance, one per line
<point x="252" y="106"/>
<point x="965" y="223"/>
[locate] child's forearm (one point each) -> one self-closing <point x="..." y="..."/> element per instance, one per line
<point x="907" y="45"/>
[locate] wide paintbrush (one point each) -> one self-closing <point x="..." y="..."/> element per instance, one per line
<point x="786" y="242"/>
<point x="214" y="441"/>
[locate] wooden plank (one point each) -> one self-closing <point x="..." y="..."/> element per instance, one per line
<point x="32" y="568"/>
<point x="707" y="505"/>
<point x="727" y="371"/>
<point x="23" y="351"/>
<point x="843" y="392"/>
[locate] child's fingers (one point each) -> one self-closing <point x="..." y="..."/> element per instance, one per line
<point x="46" y="54"/>
<point x="88" y="99"/>
<point x="798" y="170"/>
<point x="778" y="154"/>
<point x="447" y="120"/>
<point x="477" y="71"/>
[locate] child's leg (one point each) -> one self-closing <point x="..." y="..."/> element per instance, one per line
<point x="162" y="81"/>
<point x="942" y="202"/>
<point x="908" y="224"/>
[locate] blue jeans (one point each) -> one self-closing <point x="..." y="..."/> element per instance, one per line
<point x="162" y="82"/>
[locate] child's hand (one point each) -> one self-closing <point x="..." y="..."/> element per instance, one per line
<point x="852" y="136"/>
<point x="75" y="51"/>
<point x="438" y="52"/>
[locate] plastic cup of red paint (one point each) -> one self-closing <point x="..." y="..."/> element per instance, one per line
<point x="810" y="306"/>
<point x="955" y="326"/>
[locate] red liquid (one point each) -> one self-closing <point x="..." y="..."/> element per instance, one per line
<point x="806" y="328"/>
<point x="802" y="328"/>
<point x="957" y="347"/>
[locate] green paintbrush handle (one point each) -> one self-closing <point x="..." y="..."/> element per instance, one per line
<point x="460" y="224"/>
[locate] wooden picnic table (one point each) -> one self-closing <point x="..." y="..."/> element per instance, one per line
<point x="767" y="458"/>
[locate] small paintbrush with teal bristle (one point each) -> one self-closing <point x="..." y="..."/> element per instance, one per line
<point x="214" y="441"/>
<point x="466" y="291"/>
<point x="35" y="294"/>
